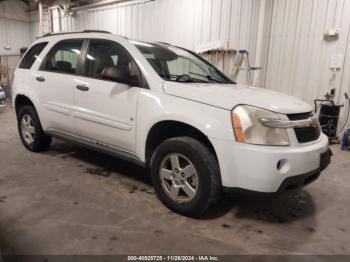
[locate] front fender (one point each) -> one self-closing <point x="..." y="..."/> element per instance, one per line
<point x="154" y="107"/>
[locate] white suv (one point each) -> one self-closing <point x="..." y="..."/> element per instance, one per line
<point x="165" y="107"/>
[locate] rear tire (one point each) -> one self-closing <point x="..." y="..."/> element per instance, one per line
<point x="186" y="176"/>
<point x="30" y="130"/>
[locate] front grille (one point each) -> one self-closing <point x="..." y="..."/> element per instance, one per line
<point x="305" y="134"/>
<point x="300" y="116"/>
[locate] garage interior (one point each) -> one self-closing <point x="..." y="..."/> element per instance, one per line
<point x="73" y="201"/>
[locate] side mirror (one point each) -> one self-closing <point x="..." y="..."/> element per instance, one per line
<point x="120" y="74"/>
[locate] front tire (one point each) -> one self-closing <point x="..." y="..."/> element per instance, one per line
<point x="30" y="130"/>
<point x="186" y="176"/>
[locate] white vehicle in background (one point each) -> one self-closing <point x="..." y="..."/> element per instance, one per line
<point x="2" y="98"/>
<point x="167" y="108"/>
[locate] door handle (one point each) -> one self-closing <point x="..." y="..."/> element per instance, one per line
<point x="40" y="78"/>
<point x="82" y="88"/>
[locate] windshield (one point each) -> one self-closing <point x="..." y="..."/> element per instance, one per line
<point x="177" y="64"/>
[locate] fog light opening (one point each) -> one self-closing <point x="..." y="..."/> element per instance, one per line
<point x="283" y="166"/>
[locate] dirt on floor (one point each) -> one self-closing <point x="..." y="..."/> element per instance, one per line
<point x="70" y="200"/>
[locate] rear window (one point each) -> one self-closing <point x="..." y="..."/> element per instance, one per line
<point x="29" y="58"/>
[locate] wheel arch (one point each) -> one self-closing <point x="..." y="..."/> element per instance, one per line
<point x="22" y="100"/>
<point x="165" y="129"/>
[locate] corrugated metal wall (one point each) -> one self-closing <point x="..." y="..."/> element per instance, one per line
<point x="299" y="54"/>
<point x="181" y="22"/>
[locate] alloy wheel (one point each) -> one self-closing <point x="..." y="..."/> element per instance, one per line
<point x="179" y="178"/>
<point x="28" y="129"/>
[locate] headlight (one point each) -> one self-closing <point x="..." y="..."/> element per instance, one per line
<point x="249" y="129"/>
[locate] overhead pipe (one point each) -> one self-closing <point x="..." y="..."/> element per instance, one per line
<point x="99" y="4"/>
<point x="41" y="22"/>
<point x="259" y="42"/>
<point x="59" y="9"/>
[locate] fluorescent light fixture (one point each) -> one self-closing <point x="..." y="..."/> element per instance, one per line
<point x="90" y="57"/>
<point x="76" y="51"/>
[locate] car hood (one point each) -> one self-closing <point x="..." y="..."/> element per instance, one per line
<point x="227" y="96"/>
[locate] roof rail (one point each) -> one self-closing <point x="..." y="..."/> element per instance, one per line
<point x="97" y="31"/>
<point x="85" y="31"/>
<point x="163" y="43"/>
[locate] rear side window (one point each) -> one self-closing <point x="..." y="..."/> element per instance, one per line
<point x="30" y="57"/>
<point x="63" y="57"/>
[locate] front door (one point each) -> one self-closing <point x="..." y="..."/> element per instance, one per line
<point x="105" y="109"/>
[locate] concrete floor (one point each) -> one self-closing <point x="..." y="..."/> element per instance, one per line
<point x="70" y="200"/>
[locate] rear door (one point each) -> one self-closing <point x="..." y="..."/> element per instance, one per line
<point x="55" y="84"/>
<point x="24" y="74"/>
<point x="105" y="109"/>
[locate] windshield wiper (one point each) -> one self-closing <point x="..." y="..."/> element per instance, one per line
<point x="209" y="77"/>
<point x="183" y="78"/>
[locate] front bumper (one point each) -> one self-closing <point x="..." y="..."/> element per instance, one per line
<point x="258" y="168"/>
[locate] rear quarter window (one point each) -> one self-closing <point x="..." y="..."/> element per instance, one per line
<point x="30" y="57"/>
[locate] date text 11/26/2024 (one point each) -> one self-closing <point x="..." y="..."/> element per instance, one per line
<point x="173" y="258"/>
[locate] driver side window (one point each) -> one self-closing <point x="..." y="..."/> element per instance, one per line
<point x="105" y="54"/>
